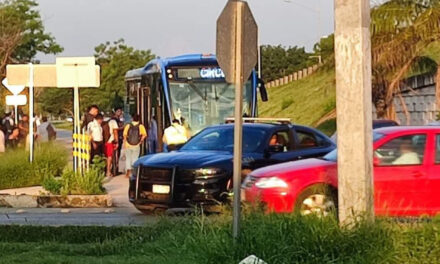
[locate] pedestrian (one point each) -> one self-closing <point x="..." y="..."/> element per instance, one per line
<point x="92" y="112"/>
<point x="152" y="136"/>
<point x="111" y="138"/>
<point x="174" y="136"/>
<point x="2" y="140"/>
<point x="134" y="135"/>
<point x="8" y="124"/>
<point x="13" y="140"/>
<point x="45" y="131"/>
<point x="94" y="129"/>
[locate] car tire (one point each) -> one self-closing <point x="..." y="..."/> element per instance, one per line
<point x="318" y="199"/>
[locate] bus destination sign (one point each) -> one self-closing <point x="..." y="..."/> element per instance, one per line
<point x="200" y="73"/>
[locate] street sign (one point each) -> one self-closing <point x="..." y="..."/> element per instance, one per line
<point x="16" y="100"/>
<point x="76" y="72"/>
<point x="237" y="12"/>
<point x="237" y="55"/>
<point x="14" y="89"/>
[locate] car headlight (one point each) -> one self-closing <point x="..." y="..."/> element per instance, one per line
<point x="206" y="172"/>
<point x="270" y="182"/>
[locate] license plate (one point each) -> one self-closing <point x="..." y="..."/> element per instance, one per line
<point x="162" y="189"/>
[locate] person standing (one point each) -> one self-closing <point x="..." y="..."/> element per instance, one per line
<point x="45" y="131"/>
<point x="111" y="138"/>
<point x="13" y="140"/>
<point x="174" y="135"/>
<point x="152" y="136"/>
<point x="94" y="130"/>
<point x="134" y="135"/>
<point x="8" y="124"/>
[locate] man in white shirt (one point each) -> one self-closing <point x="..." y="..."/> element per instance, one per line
<point x="407" y="155"/>
<point x="111" y="136"/>
<point x="94" y="129"/>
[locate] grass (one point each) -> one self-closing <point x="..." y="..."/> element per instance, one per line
<point x="16" y="171"/>
<point x="274" y="238"/>
<point x="63" y="125"/>
<point x="304" y="101"/>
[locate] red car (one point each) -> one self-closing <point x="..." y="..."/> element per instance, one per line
<point x="406" y="177"/>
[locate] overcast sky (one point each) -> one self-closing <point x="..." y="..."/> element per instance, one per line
<point x="174" y="27"/>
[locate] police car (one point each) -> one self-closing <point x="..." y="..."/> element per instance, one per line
<point x="200" y="172"/>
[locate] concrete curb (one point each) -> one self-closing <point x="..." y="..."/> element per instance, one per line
<point x="55" y="201"/>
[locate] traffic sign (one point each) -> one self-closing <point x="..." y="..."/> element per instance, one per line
<point x="237" y="13"/>
<point x="16" y="100"/>
<point x="237" y="55"/>
<point x="14" y="89"/>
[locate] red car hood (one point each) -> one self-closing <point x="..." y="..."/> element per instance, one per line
<point x="293" y="166"/>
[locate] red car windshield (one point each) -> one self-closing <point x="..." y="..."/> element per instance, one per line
<point x="333" y="156"/>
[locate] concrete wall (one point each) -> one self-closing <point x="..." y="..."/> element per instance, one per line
<point x="419" y="97"/>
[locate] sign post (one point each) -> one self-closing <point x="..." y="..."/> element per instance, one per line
<point x="15" y="99"/>
<point x="237" y="55"/>
<point x="354" y="110"/>
<point x="74" y="72"/>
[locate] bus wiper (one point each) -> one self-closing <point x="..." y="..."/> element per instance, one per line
<point x="196" y="89"/>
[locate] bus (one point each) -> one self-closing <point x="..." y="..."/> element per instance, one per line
<point x="189" y="87"/>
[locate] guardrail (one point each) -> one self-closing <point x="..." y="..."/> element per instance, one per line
<point x="293" y="77"/>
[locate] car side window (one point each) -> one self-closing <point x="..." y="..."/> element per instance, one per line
<point x="281" y="138"/>
<point x="437" y="149"/>
<point x="404" y="150"/>
<point x="306" y="140"/>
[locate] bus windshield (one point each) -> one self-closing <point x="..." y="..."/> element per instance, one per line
<point x="206" y="102"/>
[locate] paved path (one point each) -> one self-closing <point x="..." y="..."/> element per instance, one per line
<point x="81" y="217"/>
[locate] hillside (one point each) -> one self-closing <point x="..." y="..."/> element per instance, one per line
<point x="304" y="101"/>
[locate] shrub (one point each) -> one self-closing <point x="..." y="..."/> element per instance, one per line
<point x="286" y="103"/>
<point x="70" y="182"/>
<point x="16" y="171"/>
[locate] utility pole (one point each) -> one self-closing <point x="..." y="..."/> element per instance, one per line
<point x="354" y="110"/>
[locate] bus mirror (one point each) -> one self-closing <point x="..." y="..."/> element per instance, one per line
<point x="263" y="91"/>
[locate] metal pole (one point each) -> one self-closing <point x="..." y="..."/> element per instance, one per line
<point x="77" y="129"/>
<point x="31" y="112"/>
<point x="74" y="136"/>
<point x="16" y="114"/>
<point x="238" y="125"/>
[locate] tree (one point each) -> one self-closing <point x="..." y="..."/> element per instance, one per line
<point x="279" y="61"/>
<point x="115" y="59"/>
<point x="22" y="35"/>
<point x="401" y="31"/>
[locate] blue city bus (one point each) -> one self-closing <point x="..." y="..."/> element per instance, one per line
<point x="191" y="87"/>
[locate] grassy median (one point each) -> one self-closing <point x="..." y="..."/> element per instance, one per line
<point x="274" y="238"/>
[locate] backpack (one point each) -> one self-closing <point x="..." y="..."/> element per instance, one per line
<point x="134" y="135"/>
<point x="106" y="133"/>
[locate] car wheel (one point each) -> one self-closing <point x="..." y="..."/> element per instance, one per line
<point x="320" y="200"/>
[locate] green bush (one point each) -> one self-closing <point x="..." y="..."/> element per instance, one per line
<point x="286" y="103"/>
<point x="70" y="182"/>
<point x="16" y="171"/>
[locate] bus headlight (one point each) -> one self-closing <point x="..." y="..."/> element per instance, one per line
<point x="270" y="182"/>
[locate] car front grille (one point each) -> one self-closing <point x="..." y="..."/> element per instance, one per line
<point x="156" y="174"/>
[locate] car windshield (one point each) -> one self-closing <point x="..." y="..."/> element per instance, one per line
<point x="205" y="103"/>
<point x="222" y="139"/>
<point x="333" y="156"/>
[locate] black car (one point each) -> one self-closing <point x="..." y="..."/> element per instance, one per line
<point x="200" y="172"/>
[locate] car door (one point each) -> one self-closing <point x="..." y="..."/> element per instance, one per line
<point x="310" y="144"/>
<point x="433" y="189"/>
<point x="400" y="175"/>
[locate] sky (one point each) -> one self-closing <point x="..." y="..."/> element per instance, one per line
<point x="175" y="27"/>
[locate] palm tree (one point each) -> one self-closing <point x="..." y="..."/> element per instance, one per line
<point x="401" y="31"/>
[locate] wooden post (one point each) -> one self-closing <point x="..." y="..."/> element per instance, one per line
<point x="354" y="110"/>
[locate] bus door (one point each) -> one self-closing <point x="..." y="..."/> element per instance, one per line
<point x="145" y="111"/>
